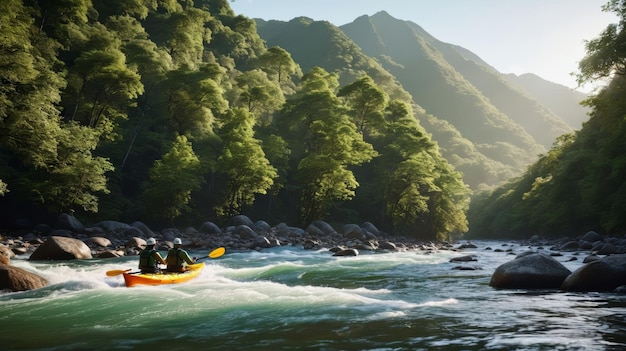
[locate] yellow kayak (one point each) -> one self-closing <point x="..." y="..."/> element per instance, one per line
<point x="132" y="279"/>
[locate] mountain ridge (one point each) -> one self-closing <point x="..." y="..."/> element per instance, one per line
<point x="494" y="138"/>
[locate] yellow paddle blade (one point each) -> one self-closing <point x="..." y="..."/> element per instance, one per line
<point x="115" y="272"/>
<point x="217" y="252"/>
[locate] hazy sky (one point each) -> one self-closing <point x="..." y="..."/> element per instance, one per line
<point x="545" y="37"/>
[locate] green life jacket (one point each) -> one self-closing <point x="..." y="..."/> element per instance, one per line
<point x="147" y="260"/>
<point x="175" y="258"/>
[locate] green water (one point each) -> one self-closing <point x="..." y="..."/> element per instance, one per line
<point x="292" y="299"/>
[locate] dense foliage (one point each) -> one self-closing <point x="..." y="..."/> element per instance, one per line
<point x="175" y="111"/>
<point x="580" y="184"/>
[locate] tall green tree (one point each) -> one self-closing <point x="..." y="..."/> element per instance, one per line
<point x="257" y="93"/>
<point x="367" y="103"/>
<point x="172" y="181"/>
<point x="48" y="161"/>
<point x="279" y="65"/>
<point x="331" y="144"/>
<point x="243" y="163"/>
<point x="193" y="99"/>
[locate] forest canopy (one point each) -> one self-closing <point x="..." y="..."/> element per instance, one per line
<point x="175" y="111"/>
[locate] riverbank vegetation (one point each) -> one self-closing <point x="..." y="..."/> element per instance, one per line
<point x="580" y="184"/>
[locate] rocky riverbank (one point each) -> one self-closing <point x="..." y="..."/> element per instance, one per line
<point x="68" y="238"/>
<point x="115" y="239"/>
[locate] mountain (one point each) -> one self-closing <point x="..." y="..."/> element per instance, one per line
<point x="487" y="127"/>
<point x="563" y="101"/>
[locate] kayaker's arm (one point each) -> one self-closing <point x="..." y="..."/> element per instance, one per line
<point x="159" y="258"/>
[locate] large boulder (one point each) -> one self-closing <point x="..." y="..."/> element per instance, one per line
<point x="605" y="274"/>
<point x="17" y="279"/>
<point x="69" y="222"/>
<point x="530" y="271"/>
<point x="240" y="220"/>
<point x="210" y="228"/>
<point x="61" y="248"/>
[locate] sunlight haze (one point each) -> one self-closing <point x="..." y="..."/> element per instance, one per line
<point x="544" y="37"/>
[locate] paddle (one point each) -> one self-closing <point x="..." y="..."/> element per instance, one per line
<point x="213" y="254"/>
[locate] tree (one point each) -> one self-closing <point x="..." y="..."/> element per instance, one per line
<point x="243" y="163"/>
<point x="330" y="142"/>
<point x="279" y="65"/>
<point x="606" y="55"/>
<point x="172" y="180"/>
<point x="366" y="102"/>
<point x="193" y="99"/>
<point x="257" y="93"/>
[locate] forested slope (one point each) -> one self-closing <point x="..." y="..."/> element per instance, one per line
<point x="580" y="184"/>
<point x="176" y="113"/>
<point x="488" y="129"/>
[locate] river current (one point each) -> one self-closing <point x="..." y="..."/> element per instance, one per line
<point x="288" y="298"/>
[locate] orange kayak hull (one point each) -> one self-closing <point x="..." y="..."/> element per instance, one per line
<point x="193" y="271"/>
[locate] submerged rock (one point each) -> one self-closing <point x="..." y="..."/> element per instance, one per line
<point x="530" y="271"/>
<point x="347" y="252"/>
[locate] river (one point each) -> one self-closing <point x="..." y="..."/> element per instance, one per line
<point x="287" y="298"/>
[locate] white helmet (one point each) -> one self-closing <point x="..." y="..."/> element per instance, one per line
<point x="150" y="241"/>
<point x="177" y="241"/>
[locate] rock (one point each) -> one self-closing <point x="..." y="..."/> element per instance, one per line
<point x="353" y="231"/>
<point x="210" y="228"/>
<point x="260" y="242"/>
<point x="365" y="247"/>
<point x="262" y="226"/>
<point x="18" y="279"/>
<point x="605" y="274"/>
<point x="606" y="249"/>
<point x="98" y="241"/>
<point x="66" y="221"/>
<point x="5" y="251"/>
<point x="592" y="236"/>
<point x="109" y="254"/>
<point x="324" y="227"/>
<point x="240" y="220"/>
<point x="112" y="226"/>
<point x="147" y="232"/>
<point x="386" y="245"/>
<point x="368" y="226"/>
<point x="468" y="258"/>
<point x="135" y="242"/>
<point x="467" y="246"/>
<point x="347" y="252"/>
<point x="61" y="248"/>
<point x="530" y="271"/>
<point x="466" y="268"/>
<point x="245" y="232"/>
<point x="569" y="246"/>
<point x="314" y="231"/>
<point x="591" y="258"/>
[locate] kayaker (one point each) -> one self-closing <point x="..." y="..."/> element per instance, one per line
<point x="150" y="258"/>
<point x="177" y="257"/>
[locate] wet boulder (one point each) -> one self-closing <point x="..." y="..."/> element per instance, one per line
<point x="347" y="252"/>
<point x="6" y="254"/>
<point x="605" y="274"/>
<point x="530" y="271"/>
<point x="17" y="279"/>
<point x="61" y="248"/>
